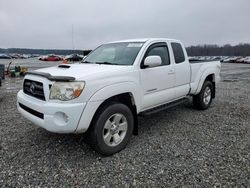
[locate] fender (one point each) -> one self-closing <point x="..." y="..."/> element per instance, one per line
<point x="116" y="89"/>
<point x="100" y="96"/>
<point x="205" y="74"/>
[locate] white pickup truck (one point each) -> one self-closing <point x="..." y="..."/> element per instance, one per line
<point x="103" y="95"/>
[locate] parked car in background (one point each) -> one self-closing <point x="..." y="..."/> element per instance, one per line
<point x="216" y="59"/>
<point x="51" y="58"/>
<point x="236" y="60"/>
<point x="15" y="56"/>
<point x="247" y="60"/>
<point x="74" y="57"/>
<point x="193" y="58"/>
<point x="240" y="60"/>
<point x="233" y="59"/>
<point x="228" y="59"/>
<point x="243" y="60"/>
<point x="34" y="55"/>
<point x="4" y="56"/>
<point x="224" y="59"/>
<point x="19" y="56"/>
<point x="41" y="57"/>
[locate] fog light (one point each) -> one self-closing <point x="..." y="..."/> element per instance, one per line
<point x="61" y="118"/>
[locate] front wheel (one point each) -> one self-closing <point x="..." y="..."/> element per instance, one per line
<point x="203" y="100"/>
<point x="111" y="129"/>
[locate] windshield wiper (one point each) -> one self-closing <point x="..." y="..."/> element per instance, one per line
<point x="105" y="63"/>
<point x="86" y="62"/>
<point x="100" y="63"/>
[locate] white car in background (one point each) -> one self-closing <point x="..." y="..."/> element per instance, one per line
<point x="247" y="60"/>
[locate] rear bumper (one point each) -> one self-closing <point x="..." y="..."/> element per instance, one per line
<point x="54" y="117"/>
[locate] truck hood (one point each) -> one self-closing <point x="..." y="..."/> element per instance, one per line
<point x="81" y="71"/>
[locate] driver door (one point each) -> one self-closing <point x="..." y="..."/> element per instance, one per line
<point x="157" y="82"/>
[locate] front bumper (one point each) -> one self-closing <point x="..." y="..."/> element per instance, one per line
<point x="54" y="117"/>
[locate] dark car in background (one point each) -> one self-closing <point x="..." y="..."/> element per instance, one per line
<point x="4" y="56"/>
<point x="74" y="57"/>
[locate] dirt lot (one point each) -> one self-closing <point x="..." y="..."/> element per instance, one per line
<point x="177" y="147"/>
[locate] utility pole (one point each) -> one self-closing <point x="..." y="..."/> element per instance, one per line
<point x="73" y="46"/>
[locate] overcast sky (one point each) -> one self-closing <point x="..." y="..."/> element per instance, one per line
<point x="48" y="23"/>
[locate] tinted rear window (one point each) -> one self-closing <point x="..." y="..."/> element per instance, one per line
<point x="178" y="52"/>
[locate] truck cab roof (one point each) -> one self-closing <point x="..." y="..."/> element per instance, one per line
<point x="146" y="40"/>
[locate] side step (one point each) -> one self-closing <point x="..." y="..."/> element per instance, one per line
<point x="163" y="107"/>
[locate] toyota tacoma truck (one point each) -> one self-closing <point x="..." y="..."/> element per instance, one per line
<point x="103" y="95"/>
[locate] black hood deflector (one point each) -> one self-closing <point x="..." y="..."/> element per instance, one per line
<point x="52" y="78"/>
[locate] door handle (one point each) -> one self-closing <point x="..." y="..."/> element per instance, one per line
<point x="171" y="72"/>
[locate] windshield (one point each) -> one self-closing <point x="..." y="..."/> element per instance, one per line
<point x="123" y="53"/>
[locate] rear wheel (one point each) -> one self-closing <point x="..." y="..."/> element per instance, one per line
<point x="111" y="129"/>
<point x="203" y="100"/>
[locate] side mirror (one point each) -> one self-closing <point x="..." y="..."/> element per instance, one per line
<point x="152" y="61"/>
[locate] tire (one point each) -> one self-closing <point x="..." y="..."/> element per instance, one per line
<point x="203" y="100"/>
<point x="115" y="122"/>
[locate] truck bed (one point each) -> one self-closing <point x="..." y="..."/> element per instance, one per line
<point x="198" y="68"/>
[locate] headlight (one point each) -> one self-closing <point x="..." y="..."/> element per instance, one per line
<point x="65" y="91"/>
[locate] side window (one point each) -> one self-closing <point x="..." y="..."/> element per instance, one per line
<point x="178" y="52"/>
<point x="161" y="51"/>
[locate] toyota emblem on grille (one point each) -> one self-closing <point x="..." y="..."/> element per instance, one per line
<point x="32" y="88"/>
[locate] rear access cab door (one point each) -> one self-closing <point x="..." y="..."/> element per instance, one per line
<point x="182" y="70"/>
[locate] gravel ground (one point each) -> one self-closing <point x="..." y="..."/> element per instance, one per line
<point x="177" y="147"/>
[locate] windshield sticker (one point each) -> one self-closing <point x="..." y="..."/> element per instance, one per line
<point x="135" y="45"/>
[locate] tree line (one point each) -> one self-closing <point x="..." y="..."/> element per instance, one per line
<point x="215" y="50"/>
<point x="42" y="51"/>
<point x="200" y="50"/>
